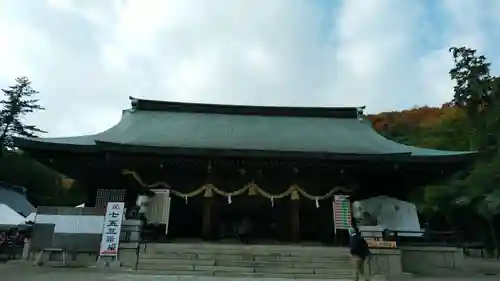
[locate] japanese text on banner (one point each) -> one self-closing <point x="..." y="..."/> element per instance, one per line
<point x="112" y="228"/>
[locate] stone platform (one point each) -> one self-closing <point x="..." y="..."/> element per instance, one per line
<point x="258" y="261"/>
<point x="278" y="261"/>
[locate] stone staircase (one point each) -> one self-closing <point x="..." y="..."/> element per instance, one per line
<point x="262" y="261"/>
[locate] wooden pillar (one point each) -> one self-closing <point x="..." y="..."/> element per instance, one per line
<point x="91" y="196"/>
<point x="208" y="203"/>
<point x="295" y="216"/>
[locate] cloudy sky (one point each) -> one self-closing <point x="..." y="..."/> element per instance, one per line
<point x="87" y="56"/>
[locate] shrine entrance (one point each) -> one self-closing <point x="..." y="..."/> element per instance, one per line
<point x="266" y="222"/>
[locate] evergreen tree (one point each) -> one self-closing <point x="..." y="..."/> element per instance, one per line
<point x="18" y="103"/>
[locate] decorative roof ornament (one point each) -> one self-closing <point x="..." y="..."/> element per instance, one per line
<point x="133" y="102"/>
<point x="360" y="113"/>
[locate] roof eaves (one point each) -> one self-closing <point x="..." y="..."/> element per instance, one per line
<point x="47" y="144"/>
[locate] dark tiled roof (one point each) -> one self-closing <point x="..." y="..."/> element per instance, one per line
<point x="157" y="124"/>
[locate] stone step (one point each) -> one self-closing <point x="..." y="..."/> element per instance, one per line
<point x="283" y="275"/>
<point x="273" y="264"/>
<point x="244" y="256"/>
<point x="346" y="275"/>
<point x="258" y="261"/>
<point x="333" y="271"/>
<point x="254" y="249"/>
<point x="254" y="253"/>
<point x="281" y="264"/>
<point x="246" y="259"/>
<point x="287" y="252"/>
<point x="175" y="261"/>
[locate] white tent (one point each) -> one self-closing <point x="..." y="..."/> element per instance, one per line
<point x="80" y="206"/>
<point x="9" y="216"/>
<point x="390" y="213"/>
<point x="31" y="217"/>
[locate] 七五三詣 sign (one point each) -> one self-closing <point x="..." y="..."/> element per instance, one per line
<point x="112" y="227"/>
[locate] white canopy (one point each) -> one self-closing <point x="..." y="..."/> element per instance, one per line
<point x="9" y="216"/>
<point x="389" y="213"/>
<point x="31" y="217"/>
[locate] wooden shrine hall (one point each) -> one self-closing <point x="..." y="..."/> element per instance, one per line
<point x="280" y="167"/>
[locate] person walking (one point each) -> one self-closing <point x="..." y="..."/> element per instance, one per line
<point x="360" y="254"/>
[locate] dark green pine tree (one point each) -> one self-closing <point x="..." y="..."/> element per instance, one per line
<point x="475" y="92"/>
<point x="19" y="102"/>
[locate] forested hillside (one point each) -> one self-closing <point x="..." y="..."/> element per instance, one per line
<point x="430" y="127"/>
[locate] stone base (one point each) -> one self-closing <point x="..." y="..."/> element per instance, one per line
<point x="108" y="263"/>
<point x="431" y="260"/>
<point x="386" y="262"/>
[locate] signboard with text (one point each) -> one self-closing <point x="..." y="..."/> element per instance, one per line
<point x="111" y="230"/>
<point x="378" y="244"/>
<point x="341" y="212"/>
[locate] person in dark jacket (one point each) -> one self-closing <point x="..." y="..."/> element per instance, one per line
<point x="360" y="254"/>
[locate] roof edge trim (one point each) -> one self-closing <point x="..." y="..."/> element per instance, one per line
<point x="324" y="112"/>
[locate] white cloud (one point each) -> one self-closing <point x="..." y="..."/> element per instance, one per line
<point x="465" y="26"/>
<point x="87" y="57"/>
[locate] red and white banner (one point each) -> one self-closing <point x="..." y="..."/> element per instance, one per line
<point x="111" y="230"/>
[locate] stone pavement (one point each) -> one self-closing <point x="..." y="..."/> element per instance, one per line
<point x="31" y="273"/>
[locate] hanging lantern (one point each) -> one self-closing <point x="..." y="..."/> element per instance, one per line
<point x="317" y="202"/>
<point x="229" y="200"/>
<point x="272" y="201"/>
<point x="186" y="199"/>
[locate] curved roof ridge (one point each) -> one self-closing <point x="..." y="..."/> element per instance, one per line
<point x="289" y="111"/>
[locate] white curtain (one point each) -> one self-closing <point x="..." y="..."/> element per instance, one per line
<point x="158" y="211"/>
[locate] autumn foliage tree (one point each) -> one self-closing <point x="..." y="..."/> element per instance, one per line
<point x="429" y="127"/>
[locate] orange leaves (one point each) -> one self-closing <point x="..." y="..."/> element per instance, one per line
<point x="430" y="127"/>
<point x="416" y="118"/>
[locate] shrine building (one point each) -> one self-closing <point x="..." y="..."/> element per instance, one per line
<point x="214" y="164"/>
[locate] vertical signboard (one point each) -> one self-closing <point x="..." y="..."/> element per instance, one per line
<point x="342" y="212"/>
<point x="111" y="231"/>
